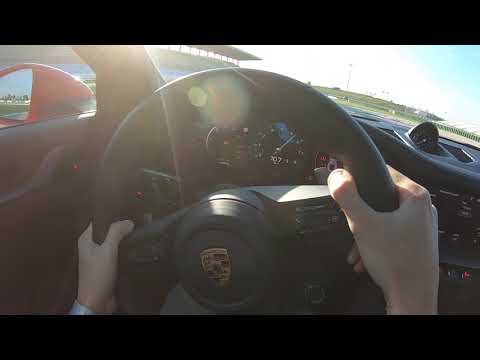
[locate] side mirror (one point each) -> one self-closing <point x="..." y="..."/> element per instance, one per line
<point x="33" y="92"/>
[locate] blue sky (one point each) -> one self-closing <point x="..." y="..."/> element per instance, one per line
<point x="455" y="70"/>
<point x="442" y="79"/>
<point x="17" y="83"/>
<point x="20" y="82"/>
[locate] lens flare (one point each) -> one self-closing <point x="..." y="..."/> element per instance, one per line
<point x="197" y="97"/>
<point x="226" y="101"/>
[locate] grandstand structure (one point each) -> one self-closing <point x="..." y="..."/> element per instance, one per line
<point x="173" y="61"/>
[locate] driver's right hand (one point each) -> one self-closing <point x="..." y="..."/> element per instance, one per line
<point x="398" y="249"/>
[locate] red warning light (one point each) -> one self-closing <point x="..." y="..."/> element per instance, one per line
<point x="322" y="160"/>
<point x="466" y="275"/>
<point x="140" y="195"/>
<point x="75" y="167"/>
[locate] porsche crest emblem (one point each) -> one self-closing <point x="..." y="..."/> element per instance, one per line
<point x="216" y="264"/>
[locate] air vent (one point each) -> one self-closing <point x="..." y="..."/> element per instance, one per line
<point x="458" y="153"/>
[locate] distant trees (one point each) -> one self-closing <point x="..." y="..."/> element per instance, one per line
<point x="11" y="97"/>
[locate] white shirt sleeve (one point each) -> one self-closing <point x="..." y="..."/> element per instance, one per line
<point x="79" y="309"/>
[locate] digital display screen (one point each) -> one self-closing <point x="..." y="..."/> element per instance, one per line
<point x="324" y="160"/>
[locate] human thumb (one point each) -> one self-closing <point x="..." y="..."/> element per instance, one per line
<point x="344" y="191"/>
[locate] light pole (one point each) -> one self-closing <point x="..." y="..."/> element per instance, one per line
<point x="349" y="74"/>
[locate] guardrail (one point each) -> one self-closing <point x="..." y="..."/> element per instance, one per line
<point x="15" y="102"/>
<point x="461" y="132"/>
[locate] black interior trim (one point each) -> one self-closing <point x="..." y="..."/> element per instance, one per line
<point x="420" y="167"/>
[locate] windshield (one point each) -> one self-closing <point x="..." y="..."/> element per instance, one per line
<point x="398" y="84"/>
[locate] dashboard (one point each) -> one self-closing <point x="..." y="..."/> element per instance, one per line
<point x="449" y="170"/>
<point x="269" y="150"/>
<point x="269" y="153"/>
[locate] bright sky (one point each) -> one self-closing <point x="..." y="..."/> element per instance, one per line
<point x="18" y="83"/>
<point x="442" y="79"/>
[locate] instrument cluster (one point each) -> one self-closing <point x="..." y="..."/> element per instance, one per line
<point x="272" y="154"/>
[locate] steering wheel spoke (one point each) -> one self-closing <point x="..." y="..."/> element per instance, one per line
<point x="144" y="257"/>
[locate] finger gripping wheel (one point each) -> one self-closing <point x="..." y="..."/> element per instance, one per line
<point x="225" y="255"/>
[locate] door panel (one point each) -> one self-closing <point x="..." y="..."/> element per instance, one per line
<point x="44" y="199"/>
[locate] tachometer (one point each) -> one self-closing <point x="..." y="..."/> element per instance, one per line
<point x="228" y="146"/>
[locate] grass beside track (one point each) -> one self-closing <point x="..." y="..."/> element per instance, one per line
<point x="6" y="109"/>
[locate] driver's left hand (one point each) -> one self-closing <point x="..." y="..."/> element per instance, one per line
<point x="97" y="268"/>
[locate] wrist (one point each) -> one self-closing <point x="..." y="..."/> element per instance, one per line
<point x="412" y="303"/>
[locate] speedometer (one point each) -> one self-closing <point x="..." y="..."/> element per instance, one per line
<point x="279" y="146"/>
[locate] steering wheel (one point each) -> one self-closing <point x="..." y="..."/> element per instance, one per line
<point x="229" y="250"/>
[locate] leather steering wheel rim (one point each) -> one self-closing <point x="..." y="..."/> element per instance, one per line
<point x="337" y="132"/>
